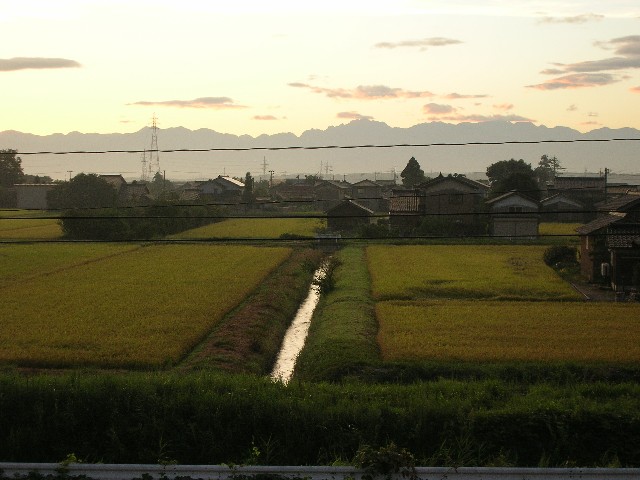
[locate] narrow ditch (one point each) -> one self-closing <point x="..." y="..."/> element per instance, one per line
<point x="297" y="332"/>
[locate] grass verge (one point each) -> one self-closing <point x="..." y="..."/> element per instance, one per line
<point x="343" y="329"/>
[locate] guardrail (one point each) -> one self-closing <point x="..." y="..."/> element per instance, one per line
<point x="224" y="472"/>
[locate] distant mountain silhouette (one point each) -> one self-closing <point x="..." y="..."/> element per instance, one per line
<point x="618" y="156"/>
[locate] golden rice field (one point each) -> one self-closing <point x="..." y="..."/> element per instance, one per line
<point x="499" y="272"/>
<point x="551" y="228"/>
<point x="255" y="228"/>
<point x="22" y="261"/>
<point x="143" y="308"/>
<point x="509" y="331"/>
<point x="24" y="225"/>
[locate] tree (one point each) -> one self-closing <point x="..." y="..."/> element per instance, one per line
<point x="83" y="191"/>
<point x="10" y="168"/>
<point x="247" y="193"/>
<point x="547" y="169"/>
<point x="508" y="175"/>
<point x="412" y="173"/>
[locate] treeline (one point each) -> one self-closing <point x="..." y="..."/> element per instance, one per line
<point x="135" y="223"/>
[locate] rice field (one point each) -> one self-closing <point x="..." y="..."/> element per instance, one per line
<point x="25" y="225"/>
<point x="509" y="331"/>
<point x="142" y="308"/>
<point x="263" y="227"/>
<point x="498" y="272"/>
<point x="22" y="261"/>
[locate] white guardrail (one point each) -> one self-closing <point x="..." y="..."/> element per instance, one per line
<point x="224" y="472"/>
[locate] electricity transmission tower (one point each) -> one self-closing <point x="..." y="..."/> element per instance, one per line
<point x="154" y="157"/>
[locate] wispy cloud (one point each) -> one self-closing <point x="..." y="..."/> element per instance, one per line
<point x="264" y="117"/>
<point x="572" y="108"/>
<point x="475" y="118"/>
<point x="578" y="80"/>
<point x="504" y="106"/>
<point x="635" y="89"/>
<point x="214" y="103"/>
<point x="438" y="109"/>
<point x="594" y="73"/>
<point x="459" y="96"/>
<point x="587" y="17"/>
<point x="364" y="92"/>
<point x="353" y="116"/>
<point x="35" y="63"/>
<point x="422" y="44"/>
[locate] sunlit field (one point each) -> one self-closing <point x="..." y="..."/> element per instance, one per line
<point x="509" y="331"/>
<point x="143" y="308"/>
<point x="500" y="272"/>
<point x="22" y="261"/>
<point x="25" y="225"/>
<point x="559" y="228"/>
<point x="255" y="228"/>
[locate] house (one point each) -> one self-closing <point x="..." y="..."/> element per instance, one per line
<point x="32" y="195"/>
<point x="115" y="180"/>
<point x="331" y="192"/>
<point x="221" y="188"/>
<point x="405" y="211"/>
<point x="514" y="214"/>
<point x="586" y="190"/>
<point x="134" y="193"/>
<point x="296" y="194"/>
<point x="369" y="194"/>
<point x="563" y="209"/>
<point x="348" y="215"/>
<point x="610" y="244"/>
<point x="453" y="196"/>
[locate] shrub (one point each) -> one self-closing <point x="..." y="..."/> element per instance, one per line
<point x="560" y="254"/>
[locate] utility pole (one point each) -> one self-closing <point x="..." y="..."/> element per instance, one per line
<point x="264" y="165"/>
<point x="271" y="172"/>
<point x="69" y="172"/>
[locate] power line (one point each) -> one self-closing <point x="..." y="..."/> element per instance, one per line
<point x="334" y="147"/>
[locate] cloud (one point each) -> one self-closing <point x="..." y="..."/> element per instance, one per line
<point x="504" y="106"/>
<point x="587" y="17"/>
<point x="572" y="108"/>
<point x="628" y="46"/>
<point x="35" y="63"/>
<point x="578" y="80"/>
<point x="635" y="89"/>
<point x="264" y="117"/>
<point x="438" y="109"/>
<point x="364" y="92"/>
<point x="422" y="44"/>
<point x="214" y="103"/>
<point x="458" y="96"/>
<point x="485" y="118"/>
<point x="353" y="116"/>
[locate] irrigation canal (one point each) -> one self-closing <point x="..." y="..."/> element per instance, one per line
<point x="296" y="334"/>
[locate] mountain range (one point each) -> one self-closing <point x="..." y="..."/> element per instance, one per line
<point x="591" y="152"/>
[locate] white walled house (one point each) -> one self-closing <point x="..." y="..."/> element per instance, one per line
<point x="514" y="215"/>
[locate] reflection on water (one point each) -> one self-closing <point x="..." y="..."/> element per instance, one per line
<point x="297" y="333"/>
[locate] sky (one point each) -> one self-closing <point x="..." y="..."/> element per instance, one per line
<point x="254" y="67"/>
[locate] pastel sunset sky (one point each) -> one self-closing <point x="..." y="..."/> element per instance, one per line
<point x="254" y="67"/>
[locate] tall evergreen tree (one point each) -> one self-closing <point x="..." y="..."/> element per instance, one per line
<point x="412" y="174"/>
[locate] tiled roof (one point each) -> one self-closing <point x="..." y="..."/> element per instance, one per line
<point x="598" y="224"/>
<point x="402" y="204"/>
<point x="621" y="204"/>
